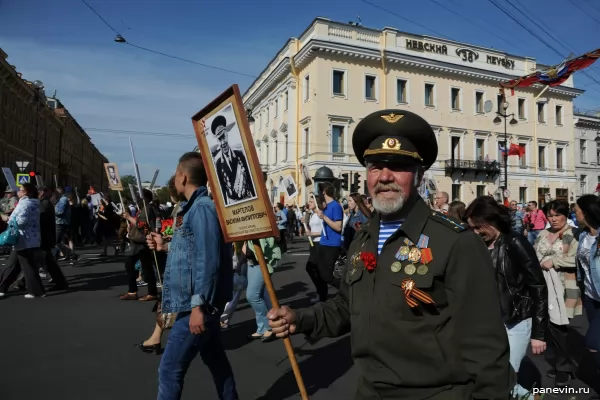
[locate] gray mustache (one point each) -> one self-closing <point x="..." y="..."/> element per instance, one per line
<point x="380" y="187"/>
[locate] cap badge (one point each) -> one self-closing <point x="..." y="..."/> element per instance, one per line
<point x="391" y="144"/>
<point x="392" y="118"/>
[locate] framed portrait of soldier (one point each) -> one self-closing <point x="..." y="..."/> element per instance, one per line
<point x="290" y="187"/>
<point x="112" y="174"/>
<point x="234" y="173"/>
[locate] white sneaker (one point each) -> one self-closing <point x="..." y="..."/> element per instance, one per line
<point x="2" y="294"/>
<point x="30" y="296"/>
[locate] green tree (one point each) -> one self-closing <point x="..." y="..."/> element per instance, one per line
<point x="163" y="195"/>
<point x="126" y="180"/>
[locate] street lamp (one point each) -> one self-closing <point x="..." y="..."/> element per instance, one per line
<point x="38" y="88"/>
<point x="513" y="121"/>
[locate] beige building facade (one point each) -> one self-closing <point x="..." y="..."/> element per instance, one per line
<point x="308" y="100"/>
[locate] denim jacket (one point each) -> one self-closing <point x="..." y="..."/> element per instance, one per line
<point x="62" y="211"/>
<point x="199" y="261"/>
<point x="594" y="263"/>
<point x="27" y="217"/>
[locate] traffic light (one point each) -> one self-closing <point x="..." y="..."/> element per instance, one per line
<point x="345" y="181"/>
<point x="356" y="183"/>
<point x="32" y="174"/>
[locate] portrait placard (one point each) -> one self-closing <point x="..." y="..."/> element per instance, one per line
<point x="234" y="173"/>
<point x="289" y="186"/>
<point x="114" y="179"/>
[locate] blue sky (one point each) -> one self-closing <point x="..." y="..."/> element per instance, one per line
<point x="110" y="86"/>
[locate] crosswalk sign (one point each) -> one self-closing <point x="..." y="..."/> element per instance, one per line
<point x="23" y="178"/>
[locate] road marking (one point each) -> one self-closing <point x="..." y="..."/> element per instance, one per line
<point x="299" y="254"/>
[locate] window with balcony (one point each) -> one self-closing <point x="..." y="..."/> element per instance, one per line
<point x="401" y="88"/>
<point x="559" y="158"/>
<point x="456" y="192"/>
<point x="558" y="115"/>
<point x="541" y="115"/>
<point x="523" y="195"/>
<point x="337" y="139"/>
<point x="455" y="143"/>
<point x="480" y="190"/>
<point x="429" y="95"/>
<point x="521" y="108"/>
<point x="370" y="87"/>
<point x="479" y="149"/>
<point x="339" y="84"/>
<point x="542" y="157"/>
<point x="562" y="194"/>
<point x="583" y="150"/>
<point x="479" y="100"/>
<point x="306" y="88"/>
<point x="455" y="99"/>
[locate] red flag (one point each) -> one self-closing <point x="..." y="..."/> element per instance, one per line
<point x="516" y="150"/>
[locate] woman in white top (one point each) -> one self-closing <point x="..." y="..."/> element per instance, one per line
<point x="313" y="231"/>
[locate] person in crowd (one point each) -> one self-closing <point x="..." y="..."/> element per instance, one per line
<point x="291" y="224"/>
<point x="556" y="249"/>
<point x="587" y="211"/>
<point x="456" y="210"/>
<point x="22" y="257"/>
<point x="519" y="280"/>
<point x="48" y="239"/>
<point x="62" y="213"/>
<point x="281" y="218"/>
<point x="141" y="226"/>
<point x="420" y="298"/>
<point x="108" y="222"/>
<point x="74" y="234"/>
<point x="198" y="255"/>
<point x="314" y="228"/>
<point x="440" y="202"/>
<point x="9" y="202"/>
<point x="240" y="283"/>
<point x="359" y="214"/>
<point x="534" y="222"/>
<point x="86" y="217"/>
<point x="163" y="321"/>
<point x="330" y="244"/>
<point x="516" y="217"/>
<point x="256" y="291"/>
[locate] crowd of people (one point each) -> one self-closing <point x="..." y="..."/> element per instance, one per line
<point x="442" y="301"/>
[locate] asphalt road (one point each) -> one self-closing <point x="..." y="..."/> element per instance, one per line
<point x="80" y="344"/>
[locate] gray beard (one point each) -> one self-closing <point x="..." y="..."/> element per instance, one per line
<point x="387" y="207"/>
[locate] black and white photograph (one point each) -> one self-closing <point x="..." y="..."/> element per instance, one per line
<point x="289" y="187"/>
<point x="229" y="158"/>
<point x="112" y="173"/>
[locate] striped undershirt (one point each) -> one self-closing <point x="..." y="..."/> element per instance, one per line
<point x="386" y="229"/>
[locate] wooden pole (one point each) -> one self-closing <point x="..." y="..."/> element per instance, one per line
<point x="287" y="341"/>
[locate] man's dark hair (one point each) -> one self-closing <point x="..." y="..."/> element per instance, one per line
<point x="191" y="163"/>
<point x="485" y="210"/>
<point x="30" y="190"/>
<point x="328" y="189"/>
<point x="148" y="196"/>
<point x="533" y="202"/>
<point x="590" y="207"/>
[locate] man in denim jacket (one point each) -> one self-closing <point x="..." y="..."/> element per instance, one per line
<point x="198" y="283"/>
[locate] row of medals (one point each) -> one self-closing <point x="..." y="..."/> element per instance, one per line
<point x="414" y="256"/>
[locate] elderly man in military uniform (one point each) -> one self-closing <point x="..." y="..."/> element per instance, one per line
<point x="231" y="165"/>
<point x="419" y="294"/>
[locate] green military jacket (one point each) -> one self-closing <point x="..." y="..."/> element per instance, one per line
<point x="459" y="341"/>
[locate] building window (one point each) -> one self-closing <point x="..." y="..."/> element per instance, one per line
<point x="401" y="87"/>
<point x="370" y="87"/>
<point x="583" y="150"/>
<point x="456" y="195"/>
<point x="267" y="118"/>
<point x="286" y="101"/>
<point x="541" y="118"/>
<point x="499" y="106"/>
<point x="562" y="194"/>
<point x="542" y="157"/>
<point x="455" y="143"/>
<point x="285" y="148"/>
<point x="429" y="95"/>
<point x="455" y="99"/>
<point x="479" y="102"/>
<point x="276" y="110"/>
<point x="558" y="115"/>
<point x="337" y="139"/>
<point x="306" y="142"/>
<point x="559" y="158"/>
<point x="480" y="190"/>
<point x="523" y="195"/>
<point x="523" y="160"/>
<point x="521" y="108"/>
<point x="339" y="83"/>
<point x="306" y="88"/>
<point x="479" y="149"/>
<point x="583" y="183"/>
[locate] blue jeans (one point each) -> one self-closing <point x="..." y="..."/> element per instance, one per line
<point x="519" y="336"/>
<point x="182" y="348"/>
<point x="532" y="236"/>
<point x="257" y="296"/>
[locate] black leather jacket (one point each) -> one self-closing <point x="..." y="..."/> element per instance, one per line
<point x="521" y="283"/>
